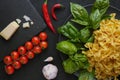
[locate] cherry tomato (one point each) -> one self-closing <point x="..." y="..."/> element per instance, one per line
<point x="16" y="64"/>
<point x="22" y="50"/>
<point x="23" y="60"/>
<point x="8" y="60"/>
<point x="28" y="45"/>
<point x="37" y="50"/>
<point x="35" y="40"/>
<point x="14" y="55"/>
<point x="43" y="36"/>
<point x="9" y="69"/>
<point x="43" y="44"/>
<point x="30" y="55"/>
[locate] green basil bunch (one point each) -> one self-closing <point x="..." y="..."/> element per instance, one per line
<point x="76" y="38"/>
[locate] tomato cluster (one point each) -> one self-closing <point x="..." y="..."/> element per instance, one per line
<point x="22" y="55"/>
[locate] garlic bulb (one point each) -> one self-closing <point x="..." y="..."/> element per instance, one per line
<point x="50" y="71"/>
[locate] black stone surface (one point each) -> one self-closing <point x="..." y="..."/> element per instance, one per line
<point x="10" y="10"/>
<point x="32" y="70"/>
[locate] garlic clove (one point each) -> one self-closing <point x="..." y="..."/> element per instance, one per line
<point x="49" y="59"/>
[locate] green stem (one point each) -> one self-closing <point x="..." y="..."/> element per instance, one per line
<point x="46" y="1"/>
<point x="62" y="6"/>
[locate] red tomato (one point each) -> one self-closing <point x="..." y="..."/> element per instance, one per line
<point x="37" y="50"/>
<point x="23" y="60"/>
<point x="7" y="60"/>
<point x="28" y="45"/>
<point x="35" y="40"/>
<point x="22" y="50"/>
<point x="30" y="55"/>
<point x="16" y="64"/>
<point x="9" y="69"/>
<point x="14" y="55"/>
<point x="43" y="36"/>
<point x="43" y="44"/>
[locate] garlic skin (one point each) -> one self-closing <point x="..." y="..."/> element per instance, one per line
<point x="50" y="71"/>
<point x="49" y="59"/>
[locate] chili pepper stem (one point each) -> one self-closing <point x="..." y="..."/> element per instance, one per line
<point x="62" y="6"/>
<point x="45" y="1"/>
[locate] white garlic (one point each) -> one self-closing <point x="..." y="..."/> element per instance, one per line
<point x="50" y="71"/>
<point x="49" y="59"/>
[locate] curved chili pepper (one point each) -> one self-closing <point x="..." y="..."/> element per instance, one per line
<point x="47" y="17"/>
<point x="53" y="10"/>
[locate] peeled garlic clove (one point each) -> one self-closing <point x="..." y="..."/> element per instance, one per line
<point x="49" y="59"/>
<point x="50" y="71"/>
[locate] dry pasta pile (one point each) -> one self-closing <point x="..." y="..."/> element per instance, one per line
<point x="104" y="53"/>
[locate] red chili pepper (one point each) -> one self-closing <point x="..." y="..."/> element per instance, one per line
<point x="53" y="10"/>
<point x="47" y="17"/>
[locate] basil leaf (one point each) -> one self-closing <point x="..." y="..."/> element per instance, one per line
<point x="86" y="65"/>
<point x="80" y="64"/>
<point x="72" y="30"/>
<point x="64" y="31"/>
<point x="91" y="39"/>
<point x="80" y="22"/>
<point x="79" y="13"/>
<point x="84" y="34"/>
<point x="70" y="66"/>
<point x="79" y="57"/>
<point x="106" y="16"/>
<point x="69" y="31"/>
<point x="101" y="5"/>
<point x="66" y="47"/>
<point x="85" y="75"/>
<point x="80" y="46"/>
<point x="80" y="60"/>
<point x="95" y="18"/>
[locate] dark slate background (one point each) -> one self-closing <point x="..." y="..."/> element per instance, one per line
<point x="32" y="71"/>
